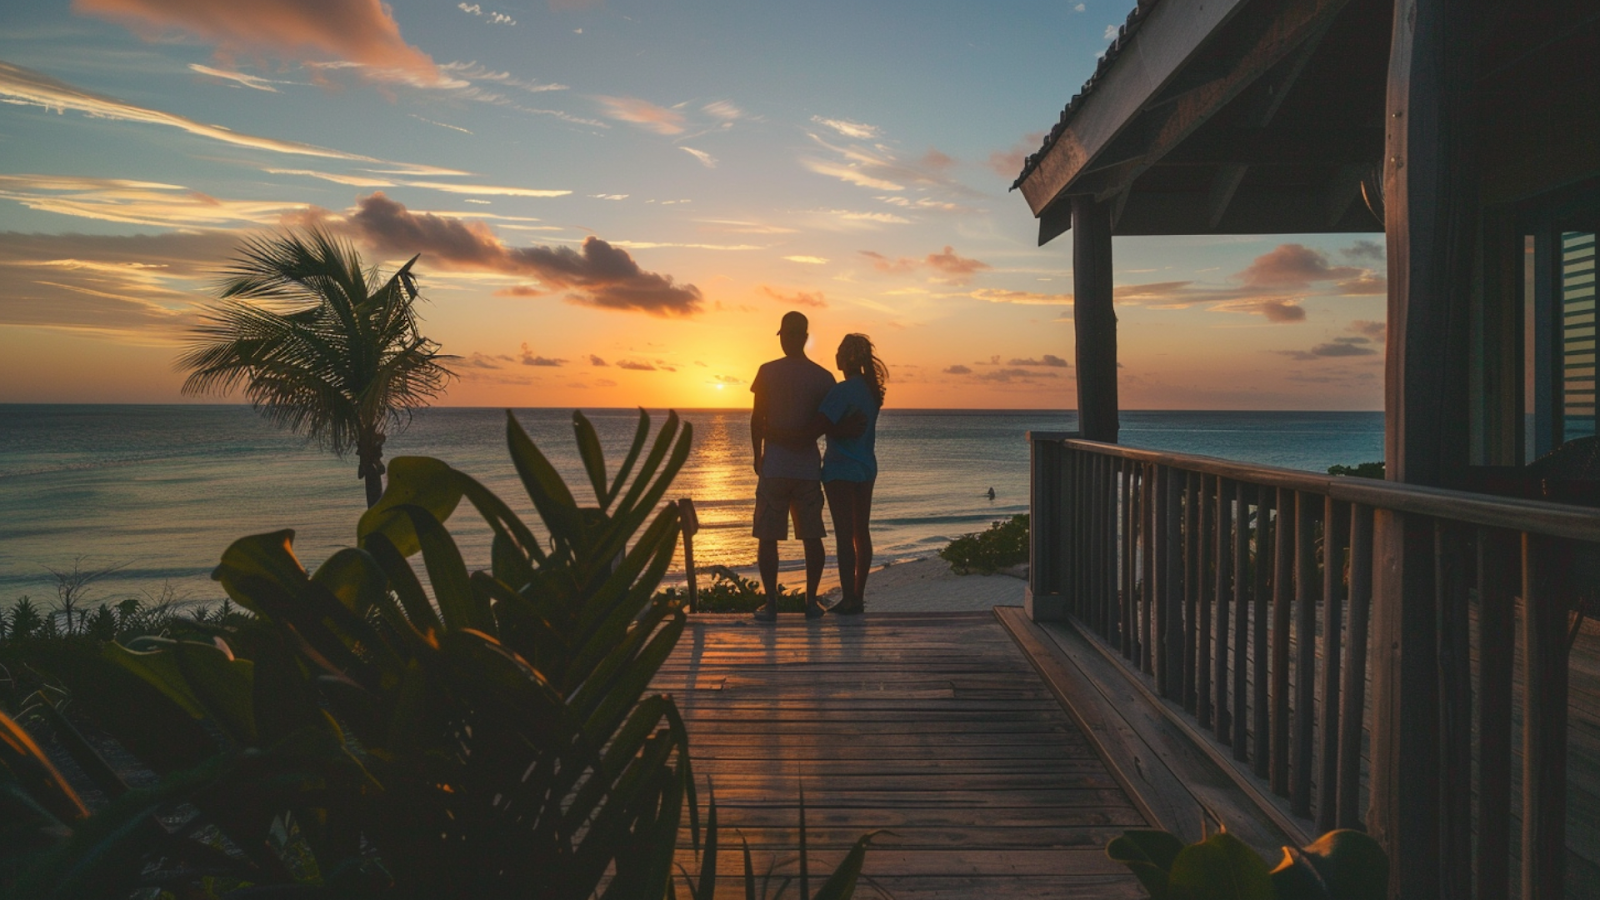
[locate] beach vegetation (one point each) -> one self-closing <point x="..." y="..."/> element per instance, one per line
<point x="1005" y="544"/>
<point x="1340" y="865"/>
<point x="389" y="724"/>
<point x="730" y="592"/>
<point x="321" y="345"/>
<point x="1360" y="470"/>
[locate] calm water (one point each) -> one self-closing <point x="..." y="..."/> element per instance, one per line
<point x="162" y="490"/>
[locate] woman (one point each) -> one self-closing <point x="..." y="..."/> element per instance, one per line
<point x="850" y="465"/>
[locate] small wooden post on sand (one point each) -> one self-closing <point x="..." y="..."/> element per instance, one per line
<point x="690" y="523"/>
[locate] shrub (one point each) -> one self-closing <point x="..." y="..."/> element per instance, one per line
<point x="1004" y="544"/>
<point x="1360" y="470"/>
<point x="361" y="735"/>
<point x="730" y="592"/>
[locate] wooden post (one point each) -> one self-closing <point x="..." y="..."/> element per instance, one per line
<point x="690" y="524"/>
<point x="1305" y="656"/>
<point x="1283" y="542"/>
<point x="1335" y="529"/>
<point x="1544" y="729"/>
<point x="1498" y="566"/>
<point x="1261" y="599"/>
<point x="1094" y="319"/>
<point x="1043" y="599"/>
<point x="1225" y="539"/>
<point x="1352" y="697"/>
<point x="1241" y="621"/>
<point x="1404" y="813"/>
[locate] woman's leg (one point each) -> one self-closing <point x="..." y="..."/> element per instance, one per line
<point x="861" y="530"/>
<point x="841" y="505"/>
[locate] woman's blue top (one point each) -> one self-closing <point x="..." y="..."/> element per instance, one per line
<point x="851" y="459"/>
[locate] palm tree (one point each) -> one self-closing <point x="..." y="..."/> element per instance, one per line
<point x="322" y="346"/>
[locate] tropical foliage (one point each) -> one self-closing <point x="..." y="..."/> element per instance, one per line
<point x="320" y="345"/>
<point x="1004" y="544"/>
<point x="373" y="730"/>
<point x="730" y="592"/>
<point x="1340" y="865"/>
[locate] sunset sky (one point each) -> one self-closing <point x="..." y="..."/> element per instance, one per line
<point x="616" y="200"/>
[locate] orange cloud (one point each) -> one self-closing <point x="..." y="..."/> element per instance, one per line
<point x="598" y="275"/>
<point x="814" y="299"/>
<point x="955" y="268"/>
<point x="1295" y="266"/>
<point x="644" y="114"/>
<point x="356" y="31"/>
<point x="1008" y="163"/>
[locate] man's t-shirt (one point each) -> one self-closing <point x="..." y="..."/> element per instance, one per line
<point x="851" y="459"/>
<point x="793" y="387"/>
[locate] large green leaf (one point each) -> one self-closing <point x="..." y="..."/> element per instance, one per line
<point x="201" y="678"/>
<point x="1149" y="853"/>
<point x="419" y="481"/>
<point x="1340" y="865"/>
<point x="1221" y="867"/>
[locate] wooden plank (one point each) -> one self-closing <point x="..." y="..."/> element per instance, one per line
<point x="1208" y="559"/>
<point x="1094" y="320"/>
<point x="1282" y="593"/>
<point x="1335" y="531"/>
<point x="1224" y="792"/>
<point x="1172" y="620"/>
<point x="1455" y="709"/>
<point x="1191" y="584"/>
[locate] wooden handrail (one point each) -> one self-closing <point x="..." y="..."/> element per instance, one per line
<point x="1484" y="510"/>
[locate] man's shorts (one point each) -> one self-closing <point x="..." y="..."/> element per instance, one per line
<point x="777" y="499"/>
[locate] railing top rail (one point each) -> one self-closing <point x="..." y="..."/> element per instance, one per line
<point x="1538" y="517"/>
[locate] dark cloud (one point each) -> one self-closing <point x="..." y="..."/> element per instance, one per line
<point x="597" y="361"/>
<point x="1338" y="347"/>
<point x="814" y="299"/>
<point x="1294" y="266"/>
<point x="1378" y="331"/>
<point x="957" y="370"/>
<point x="634" y="365"/>
<point x="1049" y="360"/>
<point x="481" y="361"/>
<point x="598" y="275"/>
<point x="727" y="379"/>
<point x="604" y="382"/>
<point x="529" y="358"/>
<point x="1364" y="250"/>
<point x="1006" y="376"/>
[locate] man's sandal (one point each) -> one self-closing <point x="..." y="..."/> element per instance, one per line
<point x="766" y="615"/>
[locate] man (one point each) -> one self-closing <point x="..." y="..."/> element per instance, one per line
<point x="788" y="392"/>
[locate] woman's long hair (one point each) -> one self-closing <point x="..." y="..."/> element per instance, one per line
<point x="857" y="356"/>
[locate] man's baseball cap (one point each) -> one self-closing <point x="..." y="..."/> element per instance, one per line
<point x="794" y="322"/>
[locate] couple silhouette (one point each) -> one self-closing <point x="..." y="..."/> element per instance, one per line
<point x="797" y="401"/>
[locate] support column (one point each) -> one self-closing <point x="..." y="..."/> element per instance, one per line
<point x="1094" y="319"/>
<point x="1430" y="221"/>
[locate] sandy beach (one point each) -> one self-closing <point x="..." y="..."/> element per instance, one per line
<point x="925" y="585"/>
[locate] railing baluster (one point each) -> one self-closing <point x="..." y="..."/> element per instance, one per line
<point x="1147" y="559"/>
<point x="1498" y="567"/>
<point x="1172" y="583"/>
<point x="1336" y="525"/>
<point x="1305" y="635"/>
<point x="1158" y="593"/>
<point x="1094" y="617"/>
<point x="1455" y="709"/>
<point x="1284" y="542"/>
<point x="1106" y="531"/>
<point x="1191" y="583"/>
<point x="1352" y="697"/>
<point x="1241" y="622"/>
<point x="1225" y="541"/>
<point x="1544" y="725"/>
<point x="1208" y="527"/>
<point x="1127" y="561"/>
<point x="1260" y="602"/>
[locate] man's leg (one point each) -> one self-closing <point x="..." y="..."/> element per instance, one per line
<point x="767" y="562"/>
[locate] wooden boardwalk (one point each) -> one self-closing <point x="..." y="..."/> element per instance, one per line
<point x="932" y="726"/>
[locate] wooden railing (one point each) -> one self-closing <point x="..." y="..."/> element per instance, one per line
<point x="1207" y="577"/>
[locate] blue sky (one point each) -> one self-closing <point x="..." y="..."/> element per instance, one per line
<point x="641" y="183"/>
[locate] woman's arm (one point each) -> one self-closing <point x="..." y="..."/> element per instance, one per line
<point x="851" y="426"/>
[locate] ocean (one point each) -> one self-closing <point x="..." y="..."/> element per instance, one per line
<point x="155" y="493"/>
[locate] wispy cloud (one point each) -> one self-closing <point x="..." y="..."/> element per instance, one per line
<point x="1027" y="298"/>
<point x="357" y="31"/>
<point x="139" y="202"/>
<point x="254" y="82"/>
<point x="1048" y="361"/>
<point x="808" y="260"/>
<point x="529" y="358"/>
<point x="635" y="365"/>
<point x="486" y="189"/>
<point x="493" y="18"/>
<point x="643" y="113"/>
<point x="858" y="130"/>
<point x="850" y="174"/>
<point x="472" y="71"/>
<point x="705" y="158"/>
<point x="951" y="267"/>
<point x="722" y="109"/>
<point x="813" y="299"/>
<point x="440" y="124"/>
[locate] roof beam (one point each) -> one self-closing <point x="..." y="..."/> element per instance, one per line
<point x="1166" y="41"/>
<point x="1173" y="35"/>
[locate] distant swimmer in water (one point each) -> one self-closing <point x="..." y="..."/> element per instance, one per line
<point x="991" y="493"/>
